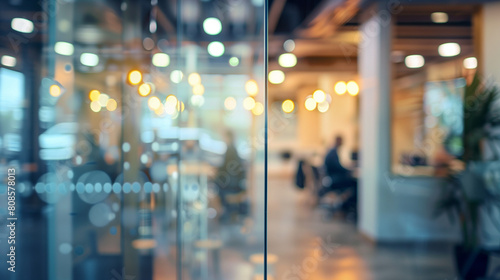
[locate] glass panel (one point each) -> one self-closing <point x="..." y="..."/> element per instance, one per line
<point x="134" y="133"/>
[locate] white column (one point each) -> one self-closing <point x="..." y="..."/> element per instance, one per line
<point x="490" y="41"/>
<point x="375" y="198"/>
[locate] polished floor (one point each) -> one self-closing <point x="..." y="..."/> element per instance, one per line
<point x="310" y="245"/>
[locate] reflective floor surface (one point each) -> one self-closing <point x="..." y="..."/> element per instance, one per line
<point x="311" y="246"/>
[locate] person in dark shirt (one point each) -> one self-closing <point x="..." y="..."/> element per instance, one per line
<point x="340" y="179"/>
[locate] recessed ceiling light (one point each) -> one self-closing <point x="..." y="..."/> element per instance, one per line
<point x="89" y="59"/>
<point x="276" y="77"/>
<point x="470" y="63"/>
<point x="287" y="60"/>
<point x="212" y="26"/>
<point x="64" y="48"/>
<point x="215" y="49"/>
<point x="439" y="17"/>
<point x="414" y="61"/>
<point x="22" y="25"/>
<point x="9" y="61"/>
<point x="449" y="49"/>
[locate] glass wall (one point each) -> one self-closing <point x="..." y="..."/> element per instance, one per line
<point x="135" y="130"/>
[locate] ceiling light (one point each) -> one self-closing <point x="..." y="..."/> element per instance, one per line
<point x="439" y="17"/>
<point x="276" y="77"/>
<point x="22" y="25"/>
<point x="215" y="49"/>
<point x="449" y="49"/>
<point x="9" y="61"/>
<point x="64" y="48"/>
<point x="352" y="88"/>
<point x="212" y="26"/>
<point x="470" y="63"/>
<point x="288" y="106"/>
<point x="319" y="96"/>
<point x="310" y="104"/>
<point x="340" y="87"/>
<point x="160" y="60"/>
<point x="414" y="61"/>
<point x="287" y="60"/>
<point x="89" y="59"/>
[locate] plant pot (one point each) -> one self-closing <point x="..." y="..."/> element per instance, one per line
<point x="470" y="264"/>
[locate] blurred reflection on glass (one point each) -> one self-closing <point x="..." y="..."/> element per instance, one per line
<point x="116" y="116"/>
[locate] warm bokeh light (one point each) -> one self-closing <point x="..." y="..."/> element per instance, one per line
<point x="470" y="63"/>
<point x="154" y="103"/>
<point x="95" y="106"/>
<point x="160" y="110"/>
<point x="340" y="88"/>
<point x="198" y="89"/>
<point x="310" y="104"/>
<point x="55" y="90"/>
<point x="111" y="105"/>
<point x="176" y="76"/>
<point x="194" y="79"/>
<point x="103" y="99"/>
<point x="258" y="109"/>
<point x="180" y="106"/>
<point x="287" y="106"/>
<point x="449" y="49"/>
<point x="171" y="100"/>
<point x="414" y="61"/>
<point x="251" y="87"/>
<point x="287" y="60"/>
<point x="144" y="89"/>
<point x="94" y="95"/>
<point x="134" y="77"/>
<point x="276" y="77"/>
<point x="230" y="103"/>
<point x="248" y="103"/>
<point x="323" y="107"/>
<point x="352" y="88"/>
<point x="319" y="96"/>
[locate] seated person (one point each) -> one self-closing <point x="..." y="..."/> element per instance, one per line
<point x="341" y="180"/>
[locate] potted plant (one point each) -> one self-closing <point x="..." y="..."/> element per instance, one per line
<point x="472" y="193"/>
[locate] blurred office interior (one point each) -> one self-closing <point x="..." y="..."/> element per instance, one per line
<point x="145" y="135"/>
